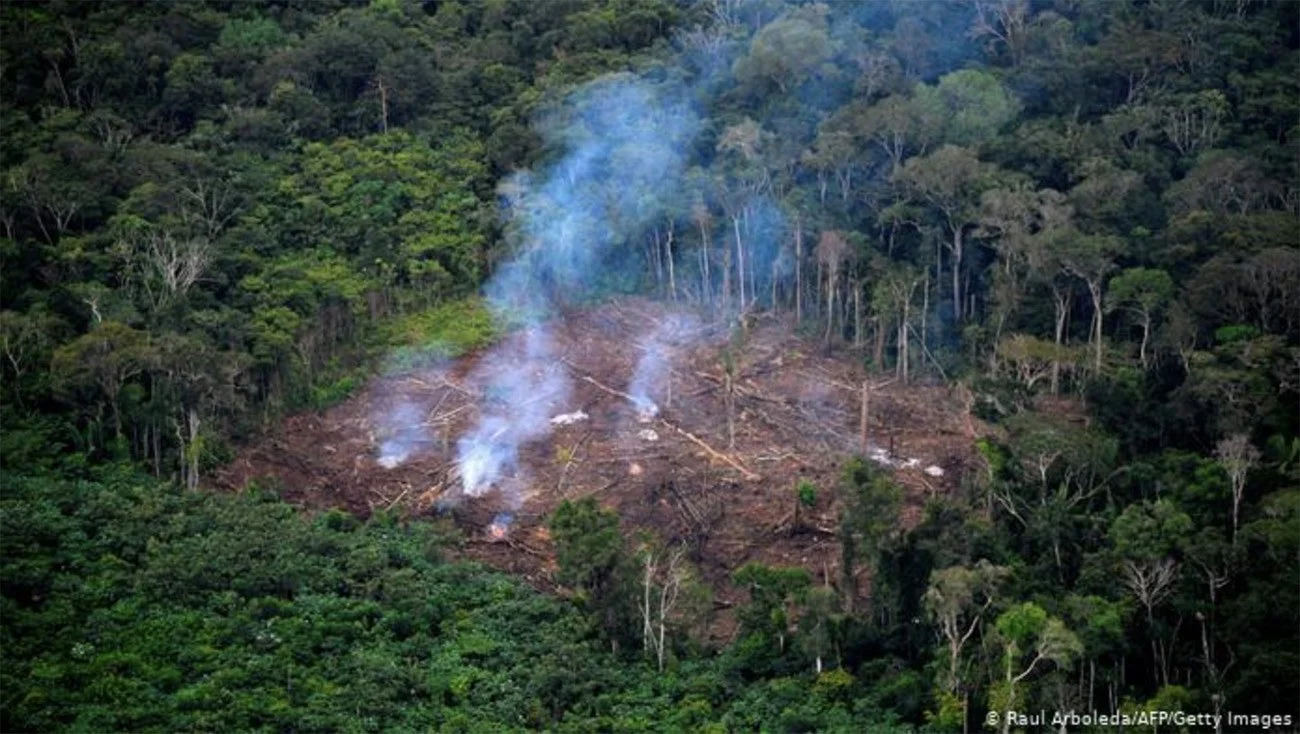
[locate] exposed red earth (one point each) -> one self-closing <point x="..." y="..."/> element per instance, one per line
<point x="796" y="413"/>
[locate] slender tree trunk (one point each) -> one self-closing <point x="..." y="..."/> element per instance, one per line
<point x="864" y="415"/>
<point x="740" y="261"/>
<point x="1238" y="492"/>
<point x="798" y="272"/>
<point x="731" y="414"/>
<point x="1062" y="311"/>
<point x="184" y="463"/>
<point x="658" y="263"/>
<point x="1146" y="334"/>
<point x="726" y="277"/>
<point x="956" y="272"/>
<point x="753" y="264"/>
<point x="1092" y="683"/>
<point x="668" y="254"/>
<point x="903" y="352"/>
<point x="706" y="279"/>
<point x="1094" y="289"/>
<point x="925" y="311"/>
<point x="817" y="293"/>
<point x="830" y="301"/>
<point x="192" y="478"/>
<point x="857" y="314"/>
<point x="774" y="304"/>
<point x="647" y="632"/>
<point x="1011" y="697"/>
<point x="879" y="352"/>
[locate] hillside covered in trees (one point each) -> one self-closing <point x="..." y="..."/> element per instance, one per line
<point x="1082" y="218"/>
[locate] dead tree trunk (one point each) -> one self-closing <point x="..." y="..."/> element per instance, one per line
<point x="798" y="273"/>
<point x="192" y="477"/>
<point x="956" y="272"/>
<point x="740" y="260"/>
<point x="864" y="415"/>
<point x="925" y="310"/>
<point x="668" y="255"/>
<point x="830" y="301"/>
<point x="731" y="413"/>
<point x="1061" y="299"/>
<point x="706" y="284"/>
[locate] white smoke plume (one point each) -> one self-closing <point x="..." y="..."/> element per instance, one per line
<point x="650" y="380"/>
<point x="525" y="385"/>
<point x="623" y="141"/>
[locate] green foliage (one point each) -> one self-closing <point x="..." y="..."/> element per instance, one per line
<point x="442" y="332"/>
<point x="872" y="501"/>
<point x="1150" y="530"/>
<point x="806" y="492"/>
<point x="588" y="545"/>
<point x="773" y="592"/>
<point x="785" y="53"/>
<point x="228" y="211"/>
<point x="973" y="106"/>
<point x="130" y="604"/>
<point x="594" y="563"/>
<point x="173" y="609"/>
<point x="333" y="393"/>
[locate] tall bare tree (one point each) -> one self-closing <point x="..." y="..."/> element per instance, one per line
<point x="1237" y="456"/>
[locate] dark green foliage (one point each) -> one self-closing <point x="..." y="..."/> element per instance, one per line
<point x="214" y="213"/>
<point x="133" y="605"/>
<point x="869" y="522"/>
<point x="595" y="563"/>
<point x="806" y="493"/>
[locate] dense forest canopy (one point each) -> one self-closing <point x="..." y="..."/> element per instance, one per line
<point x="217" y="213"/>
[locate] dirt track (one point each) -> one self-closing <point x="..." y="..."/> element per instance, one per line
<point x="796" y="415"/>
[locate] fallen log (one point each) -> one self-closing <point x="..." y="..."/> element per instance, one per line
<point x="692" y="515"/>
<point x="398" y="499"/>
<point x="783" y="523"/>
<point x="746" y="473"/>
<point x="440" y="419"/>
<point x="598" y="384"/>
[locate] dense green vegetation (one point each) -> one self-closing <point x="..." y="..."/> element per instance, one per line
<point x="135" y="606"/>
<point x="217" y="212"/>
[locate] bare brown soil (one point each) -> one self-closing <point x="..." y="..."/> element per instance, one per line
<point x="796" y="415"/>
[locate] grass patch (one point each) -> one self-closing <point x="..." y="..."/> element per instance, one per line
<point x="438" y="334"/>
<point x="333" y="392"/>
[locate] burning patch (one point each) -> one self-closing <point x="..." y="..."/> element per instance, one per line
<point x="646" y="410"/>
<point x="499" y="528"/>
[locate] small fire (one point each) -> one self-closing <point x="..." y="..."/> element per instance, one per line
<point x="500" y="526"/>
<point x="646" y="410"/>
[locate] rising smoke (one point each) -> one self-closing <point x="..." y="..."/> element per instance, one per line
<point x="526" y="383"/>
<point x="405" y="433"/>
<point x="627" y="153"/>
<point x="401" y="421"/>
<point x="650" y="379"/>
<point x="622" y="143"/>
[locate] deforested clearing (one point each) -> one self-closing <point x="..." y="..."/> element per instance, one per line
<point x="795" y="408"/>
